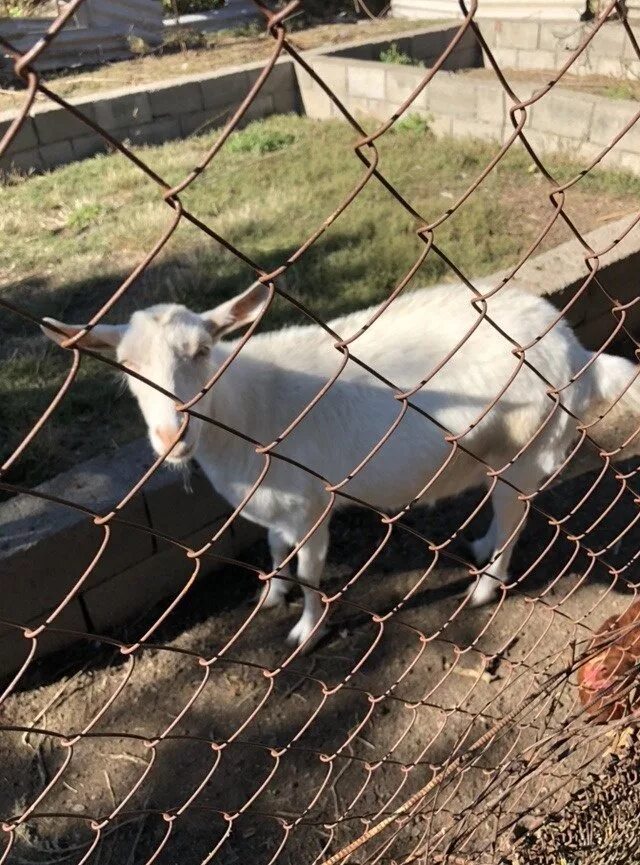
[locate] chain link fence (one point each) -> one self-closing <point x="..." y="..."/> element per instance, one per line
<point x="425" y="739"/>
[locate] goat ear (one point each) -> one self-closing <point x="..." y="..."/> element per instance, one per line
<point x="102" y="337"/>
<point x="240" y="310"/>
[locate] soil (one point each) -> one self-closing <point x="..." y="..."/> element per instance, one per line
<point x="288" y="762"/>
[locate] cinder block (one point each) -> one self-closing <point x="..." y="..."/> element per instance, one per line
<point x="178" y="513"/>
<point x="629" y="160"/>
<point x="491" y="103"/>
<point x="128" y="109"/>
<point x="163" y="575"/>
<point x="609" y="40"/>
<point x="23" y="139"/>
<point x="226" y="89"/>
<point x="368" y="108"/>
<point x="631" y="69"/>
<point x="88" y="145"/>
<point x="610" y="118"/>
<point x="628" y="51"/>
<point x="157" y="132"/>
<point x="59" y="153"/>
<point x="506" y="58"/>
<point x="332" y="71"/>
<point x="175" y="100"/>
<point x="262" y="106"/>
<point x="552" y="36"/>
<point x="489" y="29"/>
<point x="538" y="59"/>
<point x="24" y="160"/>
<point x="315" y="102"/>
<point x="452" y="94"/>
<point x="280" y="78"/>
<point x="15" y="648"/>
<point x="37" y="578"/>
<point x="58" y="124"/>
<point x="203" y="121"/>
<point x="441" y="124"/>
<point x="518" y="34"/>
<point x="46" y="547"/>
<point x="608" y="66"/>
<point x="563" y="114"/>
<point x="366" y="81"/>
<point x="462" y="128"/>
<point x="546" y="142"/>
<point x="400" y="83"/>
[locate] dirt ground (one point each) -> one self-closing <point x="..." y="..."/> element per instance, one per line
<point x="253" y="759"/>
<point x="225" y="49"/>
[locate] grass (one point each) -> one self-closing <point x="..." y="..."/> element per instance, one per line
<point x="259" y="138"/>
<point x="75" y="233"/>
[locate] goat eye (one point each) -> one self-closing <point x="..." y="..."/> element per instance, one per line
<point x="202" y="351"/>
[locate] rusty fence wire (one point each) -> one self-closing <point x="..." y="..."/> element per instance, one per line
<point x="398" y="768"/>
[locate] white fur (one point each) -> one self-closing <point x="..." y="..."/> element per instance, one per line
<point x="278" y="373"/>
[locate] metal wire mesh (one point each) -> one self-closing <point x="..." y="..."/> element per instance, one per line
<point x="415" y="771"/>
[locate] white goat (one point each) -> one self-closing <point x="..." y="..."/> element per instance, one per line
<point x="278" y="373"/>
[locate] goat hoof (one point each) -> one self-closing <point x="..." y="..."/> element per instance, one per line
<point x="276" y="595"/>
<point x="303" y="634"/>
<point x="480" y="551"/>
<point x="483" y="593"/>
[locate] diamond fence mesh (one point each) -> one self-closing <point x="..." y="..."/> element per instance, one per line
<point x="426" y="739"/>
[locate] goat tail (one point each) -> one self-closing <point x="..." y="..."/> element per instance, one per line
<point x="615" y="381"/>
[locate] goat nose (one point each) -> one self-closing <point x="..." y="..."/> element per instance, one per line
<point x="166" y="435"/>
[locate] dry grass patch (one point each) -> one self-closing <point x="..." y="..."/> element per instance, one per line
<point x="225" y="48"/>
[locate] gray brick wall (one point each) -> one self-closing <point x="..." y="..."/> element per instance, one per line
<point x="47" y="549"/>
<point x="578" y="123"/>
<point x="161" y="112"/>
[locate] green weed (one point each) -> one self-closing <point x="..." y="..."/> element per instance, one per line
<point x="258" y="138"/>
<point x="393" y="54"/>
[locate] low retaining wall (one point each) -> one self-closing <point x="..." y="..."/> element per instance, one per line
<point x="579" y="124"/>
<point x="518" y="44"/>
<point x="146" y="115"/>
<point x="177" y="108"/>
<point x="46" y="547"/>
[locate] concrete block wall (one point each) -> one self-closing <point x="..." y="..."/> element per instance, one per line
<point x="46" y="549"/>
<point x="576" y="123"/>
<point x="457" y="105"/>
<point x="535" y="44"/>
<point x="445" y="9"/>
<point x="168" y="110"/>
